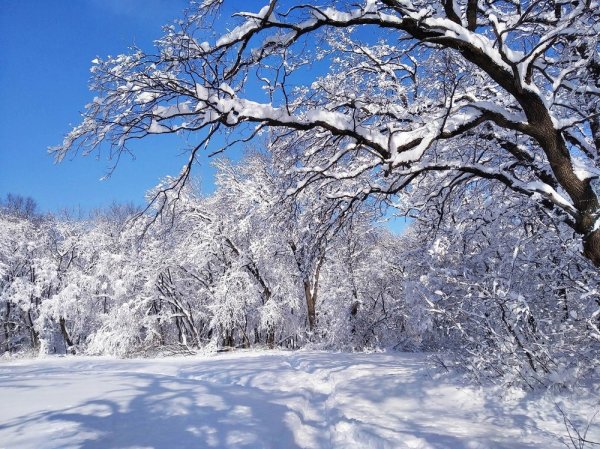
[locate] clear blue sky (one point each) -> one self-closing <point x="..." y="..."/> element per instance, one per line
<point x="46" y="49"/>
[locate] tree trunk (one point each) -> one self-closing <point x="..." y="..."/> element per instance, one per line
<point x="270" y="337"/>
<point x="310" y="305"/>
<point x="65" y="334"/>
<point x="580" y="190"/>
<point x="591" y="247"/>
<point x="35" y="338"/>
<point x="7" y="328"/>
<point x="228" y="341"/>
<point x="542" y="129"/>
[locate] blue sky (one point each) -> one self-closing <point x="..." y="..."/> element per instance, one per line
<point x="46" y="48"/>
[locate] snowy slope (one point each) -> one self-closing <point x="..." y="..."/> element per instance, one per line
<point x="266" y="400"/>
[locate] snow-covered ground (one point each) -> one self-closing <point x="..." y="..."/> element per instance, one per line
<point x="269" y="400"/>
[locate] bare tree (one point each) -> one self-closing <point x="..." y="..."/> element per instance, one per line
<point x="19" y="206"/>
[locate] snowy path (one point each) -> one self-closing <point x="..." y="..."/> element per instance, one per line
<point x="262" y="400"/>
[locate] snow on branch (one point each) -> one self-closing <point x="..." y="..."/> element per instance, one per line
<point x="514" y="86"/>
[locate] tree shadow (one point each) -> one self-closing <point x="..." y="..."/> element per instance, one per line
<point x="169" y="413"/>
<point x="298" y="400"/>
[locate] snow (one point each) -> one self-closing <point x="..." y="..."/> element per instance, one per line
<point x="172" y="110"/>
<point x="479" y="41"/>
<point x="146" y="97"/>
<point x="269" y="400"/>
<point x="157" y="128"/>
<point x="201" y="92"/>
<point x="549" y="192"/>
<point x="584" y="169"/>
<point x="334" y="15"/>
<point x="316" y="117"/>
<point x="494" y="108"/>
<point x="252" y="23"/>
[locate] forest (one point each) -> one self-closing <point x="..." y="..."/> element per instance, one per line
<point x="252" y="267"/>
<point x="478" y="122"/>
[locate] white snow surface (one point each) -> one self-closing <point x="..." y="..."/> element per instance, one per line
<point x="270" y="400"/>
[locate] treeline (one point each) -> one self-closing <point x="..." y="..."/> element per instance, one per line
<point x="239" y="268"/>
<point x="253" y="266"/>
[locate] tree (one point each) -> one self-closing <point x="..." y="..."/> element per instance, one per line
<point x="20" y="246"/>
<point x="270" y="246"/>
<point x="508" y="285"/>
<point x="436" y="81"/>
<point x="262" y="222"/>
<point x="19" y="206"/>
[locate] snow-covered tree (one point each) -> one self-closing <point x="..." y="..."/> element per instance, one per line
<point x="20" y="243"/>
<point x="508" y="286"/>
<point x="266" y="281"/>
<point x="381" y="92"/>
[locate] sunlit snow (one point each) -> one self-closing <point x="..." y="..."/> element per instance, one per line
<point x="267" y="400"/>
